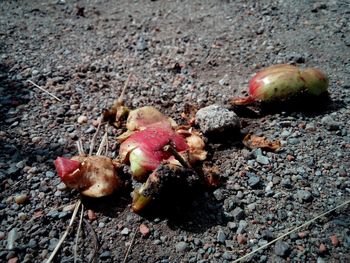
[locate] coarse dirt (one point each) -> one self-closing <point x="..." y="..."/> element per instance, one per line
<point x="178" y="52"/>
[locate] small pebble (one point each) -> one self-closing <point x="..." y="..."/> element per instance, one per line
<point x="303" y="196"/>
<point x="125" y="231"/>
<point x="21" y="199"/>
<point x="181" y="246"/>
<point x="105" y="255"/>
<point x="262" y="159"/>
<point x="281" y="249"/>
<point x="323" y="248"/>
<point x="144" y="230"/>
<point x="69" y="208"/>
<point x="91" y="215"/>
<point x="238" y="213"/>
<point x="11" y="239"/>
<point x="320" y="260"/>
<point x="254" y="181"/>
<point x="335" y="240"/>
<point x="61" y="186"/>
<point x="221" y="237"/>
<point x="13" y="260"/>
<point x="241" y="239"/>
<point x="82" y="119"/>
<point x="22" y="216"/>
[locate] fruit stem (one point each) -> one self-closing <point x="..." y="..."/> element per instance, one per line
<point x="170" y="148"/>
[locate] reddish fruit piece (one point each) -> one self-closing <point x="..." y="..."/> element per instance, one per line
<point x="65" y="167"/>
<point x="145" y="149"/>
<point x="282" y="81"/>
<point x="93" y="176"/>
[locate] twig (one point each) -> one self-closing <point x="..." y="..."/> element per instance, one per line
<point x="129" y="248"/>
<point x="77" y="205"/>
<point x="78" y="232"/>
<point x="44" y="90"/>
<point x="291" y="231"/>
<point x="94" y="239"/>
<point x="102" y="144"/>
<point x="170" y="148"/>
<point x="80" y="147"/>
<point x="93" y="140"/>
<point x="120" y="100"/>
<point x="107" y="146"/>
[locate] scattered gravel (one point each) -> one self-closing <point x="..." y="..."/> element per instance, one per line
<point x="198" y="54"/>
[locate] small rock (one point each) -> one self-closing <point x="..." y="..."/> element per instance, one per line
<point x="61" y="186"/>
<point x="227" y="255"/>
<point x="22" y="216"/>
<point x="82" y="119"/>
<point x="330" y="123"/>
<point x="2" y="235"/>
<point x="335" y="240"/>
<point x="53" y="244"/>
<point x="181" y="246"/>
<point x="253" y="181"/>
<point x="141" y="44"/>
<point x="285" y="134"/>
<point x="11" y="239"/>
<point x="310" y="127"/>
<point x="262" y="159"/>
<point x="13" y="260"/>
<point x="125" y="231"/>
<point x="21" y="198"/>
<point x="105" y="255"/>
<point x="281" y="249"/>
<point x="241" y="226"/>
<point x="218" y="194"/>
<point x="238" y="213"/>
<point x="221" y="237"/>
<point x="68" y="208"/>
<point x="304" y="196"/>
<point x="91" y="215"/>
<point x="320" y="260"/>
<point x="216" y="119"/>
<point x="241" y="239"/>
<point x="232" y="225"/>
<point x="323" y="248"/>
<point x="144" y="230"/>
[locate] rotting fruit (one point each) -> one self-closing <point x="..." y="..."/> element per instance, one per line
<point x="280" y="82"/>
<point x="152" y="140"/>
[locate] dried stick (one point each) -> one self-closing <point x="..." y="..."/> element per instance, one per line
<point x="78" y="232"/>
<point x="54" y="252"/>
<point x="80" y="148"/>
<point x="94" y="239"/>
<point x="44" y="90"/>
<point x="129" y="248"/>
<point x="120" y="100"/>
<point x="102" y="144"/>
<point x="93" y="140"/>
<point x="291" y="231"/>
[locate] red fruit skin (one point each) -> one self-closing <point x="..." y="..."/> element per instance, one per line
<point x="66" y="167"/>
<point x="148" y="144"/>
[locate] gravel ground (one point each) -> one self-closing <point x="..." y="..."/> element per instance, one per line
<point x="179" y="52"/>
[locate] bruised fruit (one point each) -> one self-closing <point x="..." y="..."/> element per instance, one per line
<point x="93" y="176"/>
<point x="145" y="149"/>
<point x="140" y="118"/>
<point x="280" y="82"/>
